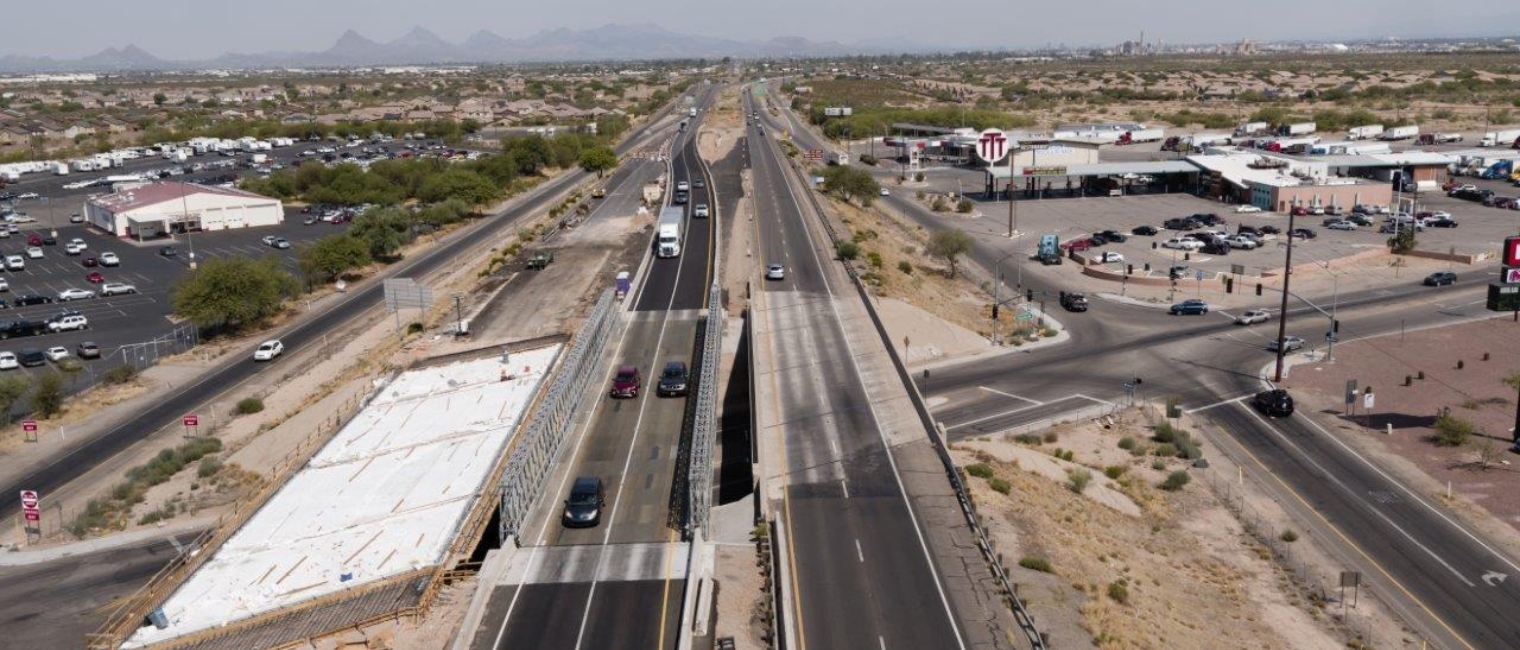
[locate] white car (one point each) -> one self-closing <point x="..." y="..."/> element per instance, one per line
<point x="268" y="350"/>
<point x="1243" y="242"/>
<point x="27" y="195"/>
<point x="57" y="353"/>
<point x="108" y="259"/>
<point x="4" y="286"/>
<point x="1108" y="256"/>
<point x="68" y="323"/>
<point x="8" y="361"/>
<point x="1253" y="316"/>
<point x="34" y="252"/>
<point x="1317" y="210"/>
<point x="1246" y="209"/>
<point x="75" y="294"/>
<point x="885" y="192"/>
<point x="115" y="288"/>
<point x="775" y="271"/>
<point x="72" y="248"/>
<point x="1181" y="243"/>
<point x="15" y="263"/>
<point x="79" y="242"/>
<point x="700" y="210"/>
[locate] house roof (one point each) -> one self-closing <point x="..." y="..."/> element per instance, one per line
<point x="142" y="196"/>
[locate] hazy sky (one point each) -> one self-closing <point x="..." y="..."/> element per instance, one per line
<point x="182" y="29"/>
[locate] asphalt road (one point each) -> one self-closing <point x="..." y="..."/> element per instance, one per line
<point x="632" y="446"/>
<point x="49" y="476"/>
<point x="863" y="578"/>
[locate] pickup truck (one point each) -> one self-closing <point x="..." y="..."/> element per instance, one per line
<point x="541" y="261"/>
<point x="1073" y="301"/>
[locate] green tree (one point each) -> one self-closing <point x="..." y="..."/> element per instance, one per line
<point x="598" y="159"/>
<point x="47" y="400"/>
<point x="11" y="390"/>
<point x="1403" y="241"/>
<point x="384" y="231"/>
<point x="330" y="257"/>
<point x="850" y="184"/>
<point x="458" y="183"/>
<point x="232" y="292"/>
<point x="950" y="245"/>
<point x="159" y="99"/>
<point x="531" y="154"/>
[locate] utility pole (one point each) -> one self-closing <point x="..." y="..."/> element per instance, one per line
<point x="1013" y="218"/>
<point x="1282" y="321"/>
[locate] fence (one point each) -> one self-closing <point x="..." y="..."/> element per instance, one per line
<point x="529" y="464"/>
<point x="994" y="563"/>
<point x="704" y="431"/>
<point x="140" y="356"/>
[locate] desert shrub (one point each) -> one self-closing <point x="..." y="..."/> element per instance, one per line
<point x="1158" y="465"/>
<point x="1452" y="431"/>
<point x="980" y="470"/>
<point x="1114" y="471"/>
<point x="120" y="374"/>
<point x="1051" y="436"/>
<point x="847" y="250"/>
<point x="1288" y="536"/>
<point x="1127" y="443"/>
<point x="1165" y="449"/>
<point x="209" y="466"/>
<point x="1077" y="480"/>
<point x="1027" y="439"/>
<point x="875" y="259"/>
<point x="905" y="267"/>
<point x="964" y="206"/>
<point x="1176" y="480"/>
<point x="1035" y="564"/>
<point x="249" y="405"/>
<point x="1000" y="485"/>
<point x="1118" y="592"/>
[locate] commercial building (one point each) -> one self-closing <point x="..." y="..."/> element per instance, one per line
<point x="148" y="210"/>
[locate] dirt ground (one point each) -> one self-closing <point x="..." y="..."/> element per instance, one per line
<point x="1133" y="566"/>
<point x="1474" y="393"/>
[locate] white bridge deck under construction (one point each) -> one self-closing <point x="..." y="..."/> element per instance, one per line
<point x="385" y="496"/>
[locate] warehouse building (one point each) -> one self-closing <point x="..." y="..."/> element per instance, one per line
<point x="149" y="210"/>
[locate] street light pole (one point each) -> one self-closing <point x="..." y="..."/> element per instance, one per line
<point x="1282" y="323"/>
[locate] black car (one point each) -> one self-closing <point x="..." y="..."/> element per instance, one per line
<point x="27" y="300"/>
<point x="672" y="380"/>
<point x="168" y="251"/>
<point x="584" y="507"/>
<point x="1270" y="230"/>
<point x="1302" y="233"/>
<point x="1208" y="219"/>
<point x="1112" y="235"/>
<point x="31" y="357"/>
<point x="1443" y="222"/>
<point x="1439" y="278"/>
<point x="1145" y="231"/>
<point x="1181" y="224"/>
<point x="49" y="240"/>
<point x="1275" y="402"/>
<point x="1073" y="301"/>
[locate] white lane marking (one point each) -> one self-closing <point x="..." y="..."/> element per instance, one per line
<point x="846" y="487"/>
<point x="1216" y="404"/>
<point x="859" y="553"/>
<point x="1025" y="399"/>
<point x="876" y="417"/>
<point x="1347" y="489"/>
<point x="1507" y="562"/>
<point x="883" y="641"/>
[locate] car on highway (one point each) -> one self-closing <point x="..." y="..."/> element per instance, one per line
<point x="34" y="252"/>
<point x="109" y="259"/>
<point x="1182" y="243"/>
<point x="1144" y="231"/>
<point x="775" y="271"/>
<point x="94" y="277"/>
<point x="268" y="350"/>
<point x="87" y="350"/>
<point x="1289" y="343"/>
<point x="1108" y="256"/>
<point x="1341" y="225"/>
<point x="8" y="361"/>
<point x="1190" y="307"/>
<point x="886" y="192"/>
<point x="1246" y="209"/>
<point x="583" y="508"/>
<point x="116" y="288"/>
<point x="700" y="210"/>
<point x="1253" y="316"/>
<point x="75" y="294"/>
<point x="1276" y="402"/>
<point x="673" y="380"/>
<point x="57" y="353"/>
<point x="1440" y="278"/>
<point x="626" y="382"/>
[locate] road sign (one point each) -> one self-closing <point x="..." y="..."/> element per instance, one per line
<point x="1237" y="269"/>
<point x="29" y="498"/>
<point x="29" y="426"/>
<point x="1367" y="400"/>
<point x="1510" y="276"/>
<point x="1511" y="255"/>
<point x="814" y="154"/>
<point x="192" y="420"/>
<point x="1199" y="275"/>
<point x="992" y="145"/>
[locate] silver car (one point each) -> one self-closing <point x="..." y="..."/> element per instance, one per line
<point x="1253" y="316"/>
<point x="775" y="271"/>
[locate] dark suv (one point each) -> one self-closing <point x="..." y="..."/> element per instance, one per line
<point x="1274" y="402"/>
<point x="1073" y="301"/>
<point x="583" y="509"/>
<point x="1191" y="306"/>
<point x="672" y="380"/>
<point x="1439" y="278"/>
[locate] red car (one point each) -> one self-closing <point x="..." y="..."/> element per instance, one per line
<point x="34" y="240"/>
<point x="1077" y="245"/>
<point x="95" y="277"/>
<point x="626" y="382"/>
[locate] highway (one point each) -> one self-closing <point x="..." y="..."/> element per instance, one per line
<point x="1449" y="582"/>
<point x="863" y="577"/>
<point x="621" y="583"/>
<point x="237" y="368"/>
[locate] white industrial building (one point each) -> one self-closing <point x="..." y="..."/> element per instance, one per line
<point x="145" y="211"/>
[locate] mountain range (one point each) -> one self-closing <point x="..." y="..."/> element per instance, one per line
<point x="421" y="46"/>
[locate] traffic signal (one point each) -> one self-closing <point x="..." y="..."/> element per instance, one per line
<point x="1337" y="326"/>
<point x="1029" y="295"/>
<point x="1229" y="285"/>
<point x="994" y="311"/>
<point x="1258" y="288"/>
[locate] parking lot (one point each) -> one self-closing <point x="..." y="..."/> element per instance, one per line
<point x="117" y="323"/>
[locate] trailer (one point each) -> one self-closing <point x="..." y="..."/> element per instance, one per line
<point x="668" y="232"/>
<point x="60" y="169"/>
<point x="1401" y="133"/>
<point x="1251" y="128"/>
<point x="1298" y="128"/>
<point x="1438" y="138"/>
<point x="1279" y="145"/>
<point x="1141" y="135"/>
<point x="1504" y="138"/>
<point x="1364" y="132"/>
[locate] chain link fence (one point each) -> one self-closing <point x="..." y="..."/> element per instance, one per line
<point x="529" y="464"/>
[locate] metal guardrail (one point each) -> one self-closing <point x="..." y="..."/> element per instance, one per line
<point x="704" y="432"/>
<point x="529" y="464"/>
<point x="995" y="564"/>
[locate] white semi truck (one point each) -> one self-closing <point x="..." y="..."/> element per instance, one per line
<point x="668" y="232"/>
<point x="1364" y="132"/>
<point x="1503" y="138"/>
<point x="1401" y="133"/>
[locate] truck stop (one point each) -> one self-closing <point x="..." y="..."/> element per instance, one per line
<point x="1094" y="179"/>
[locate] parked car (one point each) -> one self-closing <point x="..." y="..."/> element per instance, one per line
<point x="268" y="350"/>
<point x="34" y="252"/>
<point x="1181" y="243"/>
<point x="1245" y="242"/>
<point x="1191" y="306"/>
<point x="583" y="508"/>
<point x="8" y="361"/>
<point x="1077" y="244"/>
<point x="626" y="382"/>
<point x="1275" y="402"/>
<point x="1302" y="233"/>
<point x="87" y="350"/>
<point x="1246" y="209"/>
<point x="1107" y="257"/>
<point x="1289" y="343"/>
<point x="116" y="288"/>
<point x="30" y="299"/>
<point x="275" y="241"/>
<point x="94" y="277"/>
<point x="109" y="259"/>
<point x="32" y="357"/>
<point x="75" y="294"/>
<point x="79" y="243"/>
<point x="1145" y="231"/>
<point x="1442" y="222"/>
<point x="1253" y="316"/>
<point x="1341" y="225"/>
<point x="90" y="262"/>
<point x="673" y="381"/>
<point x="57" y="353"/>
<point x="1440" y="278"/>
<point x="168" y="251"/>
<point x="68" y="323"/>
<point x="1113" y="236"/>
